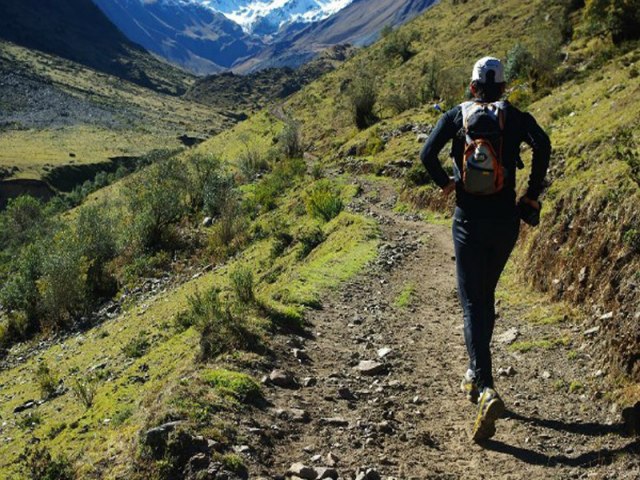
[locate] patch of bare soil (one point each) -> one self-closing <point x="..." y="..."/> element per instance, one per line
<point x="379" y="394"/>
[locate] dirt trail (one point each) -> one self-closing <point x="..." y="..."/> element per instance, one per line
<point x="412" y="422"/>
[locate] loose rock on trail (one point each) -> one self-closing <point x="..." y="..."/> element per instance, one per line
<point x="379" y="387"/>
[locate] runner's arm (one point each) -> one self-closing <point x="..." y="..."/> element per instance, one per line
<point x="539" y="142"/>
<point x="444" y="131"/>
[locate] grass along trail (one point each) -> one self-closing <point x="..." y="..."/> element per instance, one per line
<point x="404" y="416"/>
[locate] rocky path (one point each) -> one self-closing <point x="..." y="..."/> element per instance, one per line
<point x="379" y="376"/>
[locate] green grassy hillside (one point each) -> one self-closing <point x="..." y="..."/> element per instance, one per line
<point x="144" y="365"/>
<point x="56" y="112"/>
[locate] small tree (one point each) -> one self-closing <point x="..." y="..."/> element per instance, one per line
<point x="363" y="96"/>
<point x="290" y="140"/>
<point x="397" y="43"/>
<point x="156" y="198"/>
<point x="519" y="63"/>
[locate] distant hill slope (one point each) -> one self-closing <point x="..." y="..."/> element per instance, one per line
<point x="77" y="30"/>
<point x="187" y="34"/>
<point x="249" y="93"/>
<point x="359" y="24"/>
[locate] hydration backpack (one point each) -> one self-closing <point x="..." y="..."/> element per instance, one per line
<point x="483" y="127"/>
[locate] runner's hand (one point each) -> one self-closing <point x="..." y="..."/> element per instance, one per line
<point x="533" y="203"/>
<point x="448" y="188"/>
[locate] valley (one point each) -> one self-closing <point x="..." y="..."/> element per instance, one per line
<point x="253" y="277"/>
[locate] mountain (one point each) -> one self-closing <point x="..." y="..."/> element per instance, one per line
<point x="186" y="33"/>
<point x="250" y="93"/>
<point x="210" y="36"/>
<point x="358" y="24"/>
<point x="77" y="30"/>
<point x="267" y="18"/>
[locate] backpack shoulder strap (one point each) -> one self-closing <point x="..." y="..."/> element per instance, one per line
<point x="465" y="106"/>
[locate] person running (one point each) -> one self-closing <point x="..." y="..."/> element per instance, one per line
<point x="486" y="135"/>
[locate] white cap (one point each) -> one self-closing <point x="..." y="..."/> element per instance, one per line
<point x="484" y="66"/>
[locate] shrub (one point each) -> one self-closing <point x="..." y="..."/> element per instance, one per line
<point x="362" y="96"/>
<point x="46" y="379"/>
<point x="93" y="228"/>
<point x="310" y="238"/>
<point x="156" y="198"/>
<point x="203" y="168"/>
<point x="281" y="241"/>
<point x="620" y="18"/>
<point x="218" y="193"/>
<point x="63" y="285"/>
<point x="20" y="222"/>
<point x="323" y="202"/>
<point x="229" y="233"/>
<point x="242" y="283"/>
<point x="137" y="346"/>
<point x="221" y="330"/>
<point x="85" y="390"/>
<point x="20" y="291"/>
<point x="40" y="465"/>
<point x="431" y="85"/>
<point x="397" y="43"/>
<point x="290" y="140"/>
<point x="272" y="186"/>
<point x="251" y="163"/>
<point x="403" y="97"/>
<point x="519" y="63"/>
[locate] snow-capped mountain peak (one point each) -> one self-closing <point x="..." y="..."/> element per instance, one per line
<point x="267" y="16"/>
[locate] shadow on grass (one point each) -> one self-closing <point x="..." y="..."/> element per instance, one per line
<point x="604" y="456"/>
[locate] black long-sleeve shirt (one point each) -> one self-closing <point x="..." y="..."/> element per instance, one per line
<point x="519" y="127"/>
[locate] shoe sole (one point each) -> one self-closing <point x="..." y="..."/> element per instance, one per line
<point x="485" y="426"/>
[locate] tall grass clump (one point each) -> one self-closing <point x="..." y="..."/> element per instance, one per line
<point x="323" y="202"/>
<point x="46" y="379"/>
<point x="362" y="97"/>
<point x="221" y="327"/>
<point x="242" y="283"/>
<point x="290" y="139"/>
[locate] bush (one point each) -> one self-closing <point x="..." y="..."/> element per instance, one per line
<point x="403" y="97"/>
<point x="20" y="291"/>
<point x="21" y="222"/>
<point x="620" y="18"/>
<point x="272" y="186"/>
<point x="63" y="289"/>
<point x="290" y="140"/>
<point x="362" y="96"/>
<point x="323" y="202"/>
<point x="397" y="43"/>
<point x="97" y="243"/>
<point x="229" y="233"/>
<point x="431" y="85"/>
<point x="40" y="465"/>
<point x="203" y="169"/>
<point x="221" y="330"/>
<point x="156" y="198"/>
<point x="251" y="164"/>
<point x="242" y="283"/>
<point x="46" y="379"/>
<point x="519" y="63"/>
<point x="137" y="346"/>
<point x="85" y="390"/>
<point x="219" y="193"/>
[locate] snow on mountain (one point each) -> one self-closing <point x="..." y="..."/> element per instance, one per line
<point x="267" y="17"/>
